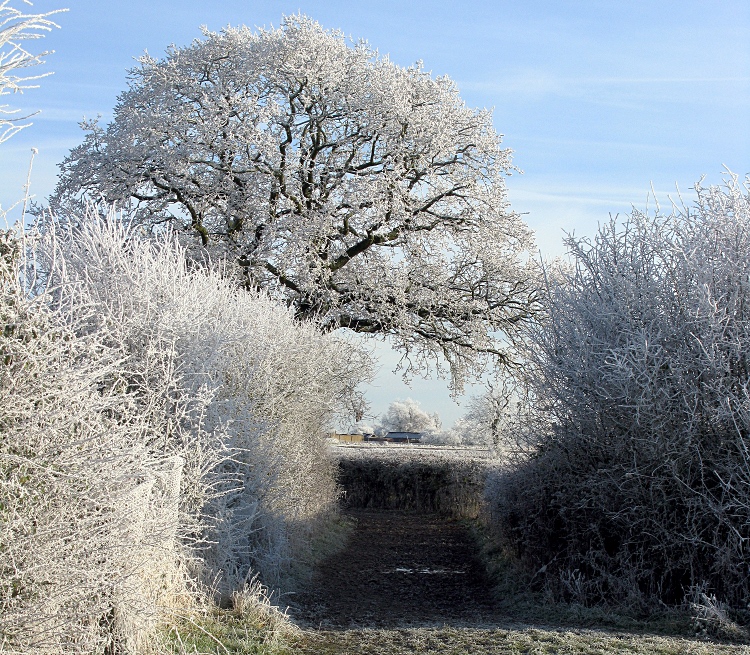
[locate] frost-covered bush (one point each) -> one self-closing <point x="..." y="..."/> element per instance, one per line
<point x="637" y="482"/>
<point x="448" y="481"/>
<point x="275" y="384"/>
<point x="452" y="437"/>
<point x="87" y="539"/>
<point x="162" y="431"/>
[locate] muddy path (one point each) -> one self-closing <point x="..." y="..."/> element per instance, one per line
<point x="410" y="582"/>
<point x="398" y="569"/>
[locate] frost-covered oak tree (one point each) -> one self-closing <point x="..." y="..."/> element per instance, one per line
<point x="408" y="416"/>
<point x="363" y="194"/>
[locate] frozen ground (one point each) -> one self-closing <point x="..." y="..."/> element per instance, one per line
<point x="399" y="568"/>
<point x="409" y="583"/>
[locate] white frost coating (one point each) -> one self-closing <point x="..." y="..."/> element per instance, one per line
<point x="408" y="416"/>
<point x="162" y="430"/>
<point x="85" y="554"/>
<point x="640" y="410"/>
<point x="363" y="194"/>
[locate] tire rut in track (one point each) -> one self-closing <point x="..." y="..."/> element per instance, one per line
<point x="398" y="568"/>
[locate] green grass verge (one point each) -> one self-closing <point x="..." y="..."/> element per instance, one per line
<point x="226" y="633"/>
<point x="252" y="627"/>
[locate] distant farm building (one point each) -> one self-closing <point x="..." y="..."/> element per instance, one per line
<point x="349" y="438"/>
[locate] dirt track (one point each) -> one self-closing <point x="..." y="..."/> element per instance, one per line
<point x="410" y="582"/>
<point x="401" y="569"/>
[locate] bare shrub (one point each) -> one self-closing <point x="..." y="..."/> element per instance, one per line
<point x="633" y="486"/>
<point x="711" y="617"/>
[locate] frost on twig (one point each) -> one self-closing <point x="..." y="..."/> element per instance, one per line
<point x="17" y="27"/>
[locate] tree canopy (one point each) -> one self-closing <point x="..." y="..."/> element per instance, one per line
<point x="364" y="194"/>
<point x="408" y="416"/>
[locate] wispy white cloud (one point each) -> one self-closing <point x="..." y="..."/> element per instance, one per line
<point x="557" y="197"/>
<point x="596" y="144"/>
<point x="604" y="89"/>
<point x="539" y="81"/>
<point x="11" y="151"/>
<point x="594" y="195"/>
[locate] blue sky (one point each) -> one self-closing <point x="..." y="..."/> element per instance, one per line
<point x="599" y="100"/>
